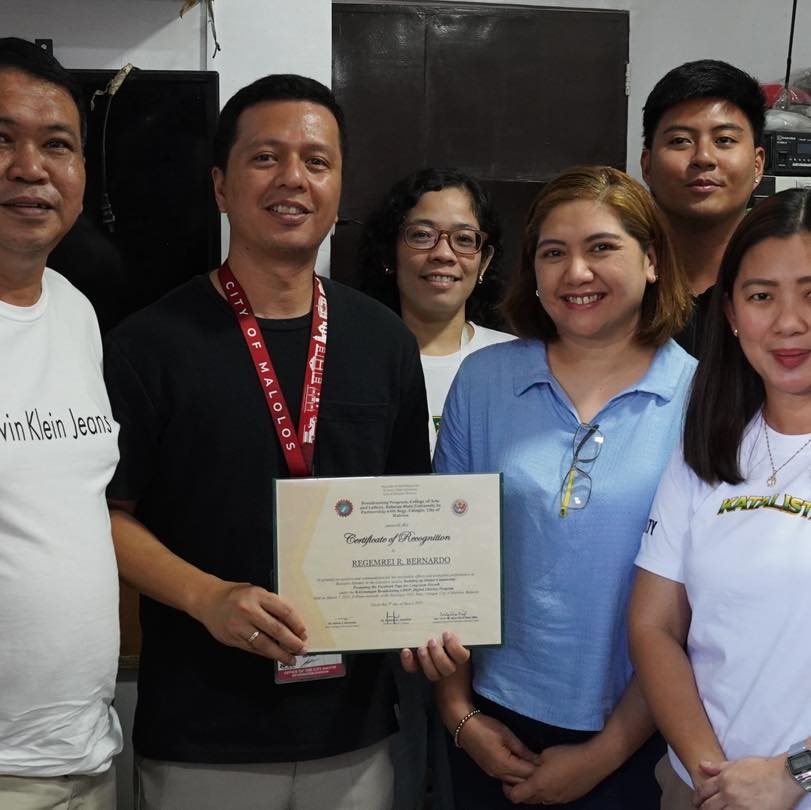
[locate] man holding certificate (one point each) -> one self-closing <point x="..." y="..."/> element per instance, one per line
<point x="260" y="370"/>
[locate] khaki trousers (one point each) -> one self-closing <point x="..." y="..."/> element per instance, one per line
<point x="676" y="793"/>
<point x="58" y="792"/>
<point x="358" y="780"/>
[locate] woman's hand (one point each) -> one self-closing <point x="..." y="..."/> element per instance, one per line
<point x="753" y="783"/>
<point x="496" y="750"/>
<point x="436" y="660"/>
<point x="560" y="775"/>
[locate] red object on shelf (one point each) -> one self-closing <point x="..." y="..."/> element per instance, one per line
<point x="773" y="91"/>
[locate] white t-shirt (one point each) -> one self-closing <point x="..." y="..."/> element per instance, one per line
<point x="743" y="554"/>
<point x="58" y="577"/>
<point x="440" y="371"/>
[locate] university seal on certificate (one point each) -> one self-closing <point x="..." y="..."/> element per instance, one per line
<point x="389" y="562"/>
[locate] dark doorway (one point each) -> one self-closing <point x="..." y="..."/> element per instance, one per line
<point x="510" y="94"/>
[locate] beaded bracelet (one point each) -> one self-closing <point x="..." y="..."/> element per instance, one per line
<point x="461" y="725"/>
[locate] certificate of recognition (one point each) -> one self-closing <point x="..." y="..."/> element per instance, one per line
<point x="385" y="563"/>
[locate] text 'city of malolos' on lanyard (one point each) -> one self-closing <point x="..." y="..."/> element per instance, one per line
<point x="298" y="447"/>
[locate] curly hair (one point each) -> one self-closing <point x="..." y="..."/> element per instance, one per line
<point x="377" y="251"/>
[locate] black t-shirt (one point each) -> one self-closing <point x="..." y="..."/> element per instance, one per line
<point x="692" y="337"/>
<point x="198" y="454"/>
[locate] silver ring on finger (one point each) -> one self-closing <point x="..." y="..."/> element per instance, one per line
<point x="253" y="636"/>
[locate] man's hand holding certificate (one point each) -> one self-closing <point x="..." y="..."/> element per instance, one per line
<point x="387" y="563"/>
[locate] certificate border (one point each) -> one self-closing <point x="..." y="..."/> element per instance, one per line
<point x="274" y="574"/>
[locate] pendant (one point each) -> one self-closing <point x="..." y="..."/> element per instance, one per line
<point x="771" y="480"/>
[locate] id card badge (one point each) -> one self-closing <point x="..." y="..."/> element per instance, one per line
<point x="311" y="668"/>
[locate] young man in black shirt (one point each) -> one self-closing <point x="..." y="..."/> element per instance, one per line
<point x="702" y="127"/>
<point x="201" y="441"/>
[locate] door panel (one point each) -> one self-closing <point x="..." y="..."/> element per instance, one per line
<point x="510" y="94"/>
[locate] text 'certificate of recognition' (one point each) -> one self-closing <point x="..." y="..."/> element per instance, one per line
<point x="389" y="562"/>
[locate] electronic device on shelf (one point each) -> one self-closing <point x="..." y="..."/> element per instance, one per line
<point x="788" y="153"/>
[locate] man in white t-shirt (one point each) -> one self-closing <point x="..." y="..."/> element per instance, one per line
<point x="58" y="450"/>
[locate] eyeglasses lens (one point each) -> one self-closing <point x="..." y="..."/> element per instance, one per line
<point x="580" y="488"/>
<point x="463" y="240"/>
<point x="576" y="487"/>
<point x="587" y="443"/>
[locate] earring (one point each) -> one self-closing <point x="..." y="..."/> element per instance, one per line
<point x="537" y="295"/>
<point x="387" y="271"/>
<point x="735" y="332"/>
<point x="481" y="277"/>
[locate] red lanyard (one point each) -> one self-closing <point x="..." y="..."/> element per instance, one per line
<point x="297" y="449"/>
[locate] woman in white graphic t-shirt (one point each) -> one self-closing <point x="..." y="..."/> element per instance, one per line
<point x="430" y="251"/>
<point x="720" y="613"/>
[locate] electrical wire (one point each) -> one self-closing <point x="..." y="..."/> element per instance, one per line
<point x="786" y="94"/>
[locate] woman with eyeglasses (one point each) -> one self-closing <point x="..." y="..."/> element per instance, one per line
<point x="430" y="251"/>
<point x="581" y="417"/>
<point x="720" y="610"/>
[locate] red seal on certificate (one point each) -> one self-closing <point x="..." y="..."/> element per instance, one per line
<point x="459" y="507"/>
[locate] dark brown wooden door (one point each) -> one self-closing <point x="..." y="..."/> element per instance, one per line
<point x="510" y="94"/>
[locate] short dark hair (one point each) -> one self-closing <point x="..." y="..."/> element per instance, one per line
<point x="666" y="304"/>
<point x="19" y="54"/>
<point x="377" y="252"/>
<point x="276" y="87"/>
<point x="727" y="391"/>
<point x="705" y="78"/>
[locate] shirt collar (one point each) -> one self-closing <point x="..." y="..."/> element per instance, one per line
<point x="532" y="368"/>
<point x="662" y="379"/>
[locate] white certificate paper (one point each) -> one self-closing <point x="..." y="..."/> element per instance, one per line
<point x="385" y="563"/>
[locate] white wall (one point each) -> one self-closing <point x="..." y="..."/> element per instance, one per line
<point x="269" y="36"/>
<point x="109" y="33"/>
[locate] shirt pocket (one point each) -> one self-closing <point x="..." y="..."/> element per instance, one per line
<point x="352" y="438"/>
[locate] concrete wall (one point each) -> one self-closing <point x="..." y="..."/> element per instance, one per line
<point x="264" y="36"/>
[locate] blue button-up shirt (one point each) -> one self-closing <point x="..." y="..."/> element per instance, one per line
<point x="564" y="658"/>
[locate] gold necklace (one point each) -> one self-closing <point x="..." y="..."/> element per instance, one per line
<point x="772" y="479"/>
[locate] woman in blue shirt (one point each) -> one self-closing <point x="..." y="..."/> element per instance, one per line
<point x="580" y="416"/>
